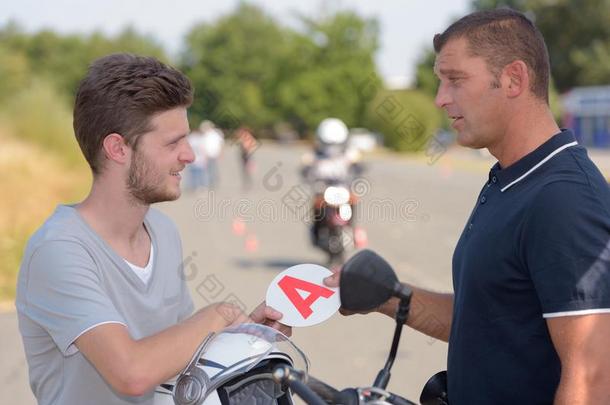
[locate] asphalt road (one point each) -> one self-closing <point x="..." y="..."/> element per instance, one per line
<point x="412" y="210"/>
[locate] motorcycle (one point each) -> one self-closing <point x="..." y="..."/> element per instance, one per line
<point x="333" y="227"/>
<point x="333" y="221"/>
<point x="253" y="363"/>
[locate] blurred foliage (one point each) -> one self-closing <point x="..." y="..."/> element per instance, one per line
<point x="38" y="114"/>
<point x="407" y="118"/>
<point x="250" y="70"/>
<point x="425" y="79"/>
<point x="40" y="73"/>
<point x="62" y="60"/>
<point x="337" y="71"/>
<point x="233" y="64"/>
<point x="577" y="34"/>
<point x="38" y="181"/>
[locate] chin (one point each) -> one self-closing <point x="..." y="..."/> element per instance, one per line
<point x="464" y="140"/>
<point x="154" y="198"/>
<point x="468" y="141"/>
<point x="174" y="196"/>
<point x="170" y="196"/>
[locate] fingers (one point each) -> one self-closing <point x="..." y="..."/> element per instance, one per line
<point x="272" y="314"/>
<point x="286" y="330"/>
<point x="263" y="312"/>
<point x="346" y="312"/>
<point x="268" y="316"/>
<point x="333" y="280"/>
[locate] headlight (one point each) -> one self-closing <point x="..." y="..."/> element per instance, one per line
<point x="345" y="212"/>
<point x="336" y="195"/>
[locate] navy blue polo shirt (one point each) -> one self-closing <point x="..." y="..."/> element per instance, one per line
<point x="535" y="246"/>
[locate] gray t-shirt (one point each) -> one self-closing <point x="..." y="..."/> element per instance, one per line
<point x="71" y="281"/>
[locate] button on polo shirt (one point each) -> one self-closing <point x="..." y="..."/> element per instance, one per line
<point x="536" y="246"/>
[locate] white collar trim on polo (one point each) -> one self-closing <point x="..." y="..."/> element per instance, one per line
<point x="543" y="161"/>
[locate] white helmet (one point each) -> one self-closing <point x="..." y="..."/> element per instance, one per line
<point x="233" y="365"/>
<point x="332" y="131"/>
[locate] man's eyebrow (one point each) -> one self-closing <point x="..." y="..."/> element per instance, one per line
<point x="177" y="138"/>
<point x="447" y="72"/>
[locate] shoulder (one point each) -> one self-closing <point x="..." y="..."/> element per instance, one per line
<point x="62" y="229"/>
<point x="568" y="218"/>
<point x="571" y="202"/>
<point x="51" y="264"/>
<point x="573" y="185"/>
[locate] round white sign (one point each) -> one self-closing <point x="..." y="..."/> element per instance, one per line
<point x="301" y="296"/>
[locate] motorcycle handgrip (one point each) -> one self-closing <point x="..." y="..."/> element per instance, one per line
<point x="306" y="393"/>
<point x="310" y="389"/>
<point x="398" y="400"/>
<point x="328" y="393"/>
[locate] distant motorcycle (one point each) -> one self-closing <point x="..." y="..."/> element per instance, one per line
<point x="333" y="221"/>
<point x="333" y="227"/>
<point x="330" y="168"/>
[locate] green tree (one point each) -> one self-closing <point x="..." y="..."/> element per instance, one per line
<point x="337" y="76"/>
<point x="247" y="69"/>
<point x="407" y="119"/>
<point x="62" y="60"/>
<point x="233" y="64"/>
<point x="14" y="71"/>
<point x="425" y="79"/>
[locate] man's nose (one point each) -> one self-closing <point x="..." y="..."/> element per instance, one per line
<point x="187" y="156"/>
<point x="442" y="96"/>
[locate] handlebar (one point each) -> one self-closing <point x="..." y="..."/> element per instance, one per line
<point x="303" y="391"/>
<point x="398" y="400"/>
<point x="328" y="393"/>
<point x="284" y="374"/>
<point x="316" y="392"/>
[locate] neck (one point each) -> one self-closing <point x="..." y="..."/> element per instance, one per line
<point x="531" y="126"/>
<point x="111" y="211"/>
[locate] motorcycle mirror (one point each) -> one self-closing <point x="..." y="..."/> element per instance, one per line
<point x="367" y="281"/>
<point x="435" y="390"/>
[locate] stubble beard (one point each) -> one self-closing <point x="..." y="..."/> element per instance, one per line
<point x="145" y="184"/>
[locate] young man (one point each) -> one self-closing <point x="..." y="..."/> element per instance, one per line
<point x="529" y="319"/>
<point x="103" y="308"/>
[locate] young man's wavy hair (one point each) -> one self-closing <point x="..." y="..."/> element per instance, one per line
<point x="120" y="94"/>
<point x="500" y="37"/>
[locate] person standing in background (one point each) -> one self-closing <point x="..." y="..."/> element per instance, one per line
<point x="213" y="143"/>
<point x="197" y="170"/>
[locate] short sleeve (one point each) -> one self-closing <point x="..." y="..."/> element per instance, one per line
<point x="64" y="294"/>
<point x="566" y="248"/>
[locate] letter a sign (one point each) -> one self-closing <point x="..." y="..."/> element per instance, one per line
<point x="300" y="294"/>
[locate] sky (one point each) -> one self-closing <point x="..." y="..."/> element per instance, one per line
<point x="407" y="26"/>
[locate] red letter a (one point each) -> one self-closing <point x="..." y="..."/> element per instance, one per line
<point x="290" y="285"/>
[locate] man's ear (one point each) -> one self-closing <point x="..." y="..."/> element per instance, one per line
<point x="515" y="78"/>
<point x="116" y="149"/>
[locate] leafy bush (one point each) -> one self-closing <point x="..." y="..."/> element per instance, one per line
<point x="407" y="118"/>
<point x="38" y="114"/>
